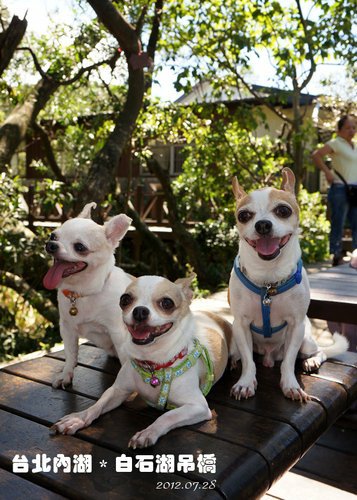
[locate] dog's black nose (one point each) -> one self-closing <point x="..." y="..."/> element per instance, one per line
<point x="141" y="313"/>
<point x="263" y="226"/>
<point x="51" y="247"/>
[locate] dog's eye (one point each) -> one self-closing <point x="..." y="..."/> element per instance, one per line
<point x="283" y="211"/>
<point x="244" y="216"/>
<point x="167" y="304"/>
<point x="53" y="237"/>
<point x="125" y="300"/>
<point x="79" y="247"/>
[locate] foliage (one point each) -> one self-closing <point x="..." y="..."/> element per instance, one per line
<point x="219" y="242"/>
<point x="218" y="146"/>
<point x="22" y="253"/>
<point x="221" y="44"/>
<point x="22" y="328"/>
<point x="315" y="228"/>
<point x="216" y="42"/>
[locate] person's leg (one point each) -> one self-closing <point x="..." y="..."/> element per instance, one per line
<point x="339" y="207"/>
<point x="352" y="217"/>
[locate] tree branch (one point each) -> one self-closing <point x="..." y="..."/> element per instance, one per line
<point x="101" y="175"/>
<point x="153" y="39"/>
<point x="43" y="73"/>
<point x="261" y="100"/>
<point x="49" y="152"/>
<point x="310" y="53"/>
<point x="76" y="77"/>
<point x="117" y="25"/>
<point x="10" y="39"/>
<point x="43" y="305"/>
<point x="168" y="260"/>
<point x="185" y="239"/>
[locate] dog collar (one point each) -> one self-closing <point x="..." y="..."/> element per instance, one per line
<point x="266" y="292"/>
<point x="153" y="367"/>
<point x="72" y="296"/>
<point x="166" y="375"/>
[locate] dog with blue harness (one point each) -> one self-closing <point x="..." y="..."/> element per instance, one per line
<point x="269" y="291"/>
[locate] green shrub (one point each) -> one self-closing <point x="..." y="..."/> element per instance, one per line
<point x="218" y="241"/>
<point x="22" y="328"/>
<point x="315" y="228"/>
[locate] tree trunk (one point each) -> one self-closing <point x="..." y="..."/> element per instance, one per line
<point x="101" y="176"/>
<point x="298" y="145"/>
<point x="171" y="268"/>
<point x="10" y="38"/>
<point x="185" y="240"/>
<point x="13" y="130"/>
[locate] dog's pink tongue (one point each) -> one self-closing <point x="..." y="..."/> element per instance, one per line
<point x="267" y="246"/>
<point x="55" y="273"/>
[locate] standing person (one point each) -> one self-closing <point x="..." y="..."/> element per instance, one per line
<point x="343" y="154"/>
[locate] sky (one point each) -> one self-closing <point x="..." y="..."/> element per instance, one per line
<point x="39" y="14"/>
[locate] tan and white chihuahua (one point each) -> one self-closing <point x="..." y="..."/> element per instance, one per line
<point x="89" y="285"/>
<point x="269" y="290"/>
<point x="174" y="357"/>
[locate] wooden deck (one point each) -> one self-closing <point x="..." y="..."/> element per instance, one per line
<point x="254" y="441"/>
<point x="334" y="294"/>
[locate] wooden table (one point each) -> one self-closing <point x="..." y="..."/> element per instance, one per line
<point x="253" y="441"/>
<point x="334" y="294"/>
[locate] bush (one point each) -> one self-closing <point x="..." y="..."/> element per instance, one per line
<point x="218" y="241"/>
<point x="22" y="328"/>
<point x="315" y="228"/>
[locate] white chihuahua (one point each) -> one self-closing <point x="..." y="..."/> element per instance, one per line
<point x="174" y="357"/>
<point x="269" y="290"/>
<point x="89" y="285"/>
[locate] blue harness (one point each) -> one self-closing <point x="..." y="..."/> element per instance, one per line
<point x="266" y="292"/>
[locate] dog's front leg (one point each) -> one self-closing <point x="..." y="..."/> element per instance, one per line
<point x="288" y="382"/>
<point x="247" y="383"/>
<point x="70" y="342"/>
<point x="188" y="414"/>
<point x="110" y="399"/>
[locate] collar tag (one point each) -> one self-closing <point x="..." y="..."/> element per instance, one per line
<point x="72" y="296"/>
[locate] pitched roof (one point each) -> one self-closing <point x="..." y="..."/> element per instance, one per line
<point x="203" y="92"/>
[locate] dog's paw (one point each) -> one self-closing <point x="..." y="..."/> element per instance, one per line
<point x="69" y="424"/>
<point x="64" y="379"/>
<point x="296" y="394"/>
<point x="143" y="439"/>
<point x="311" y="364"/>
<point x="244" y="389"/>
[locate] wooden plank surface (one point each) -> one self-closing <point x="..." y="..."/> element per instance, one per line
<point x="16" y="487"/>
<point x="254" y="440"/>
<point x="334" y="294"/>
<point x="33" y="438"/>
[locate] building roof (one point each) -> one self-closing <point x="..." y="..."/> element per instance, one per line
<point x="204" y="92"/>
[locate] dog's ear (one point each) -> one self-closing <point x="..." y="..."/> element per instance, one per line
<point x="288" y="183"/>
<point x="86" y="210"/>
<point x="185" y="284"/>
<point x="237" y="189"/>
<point x="116" y="228"/>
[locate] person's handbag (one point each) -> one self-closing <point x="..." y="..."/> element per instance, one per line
<point x="351" y="191"/>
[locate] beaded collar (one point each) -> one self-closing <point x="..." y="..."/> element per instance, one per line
<point x="166" y="375"/>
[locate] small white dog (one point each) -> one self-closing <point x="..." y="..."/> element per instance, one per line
<point x="174" y="357"/>
<point x="89" y="285"/>
<point x="269" y="290"/>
